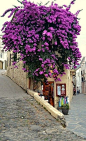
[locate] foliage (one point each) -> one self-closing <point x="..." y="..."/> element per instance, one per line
<point x="65" y="106"/>
<point x="45" y="38"/>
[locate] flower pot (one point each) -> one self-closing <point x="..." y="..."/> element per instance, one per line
<point x="65" y="111"/>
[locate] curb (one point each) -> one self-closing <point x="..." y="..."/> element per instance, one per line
<point x="53" y="111"/>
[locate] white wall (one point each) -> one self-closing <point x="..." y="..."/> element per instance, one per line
<point x="3" y="53"/>
<point x="78" y="79"/>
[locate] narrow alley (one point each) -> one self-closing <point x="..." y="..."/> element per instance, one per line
<point x="76" y="120"/>
<point x="23" y="119"/>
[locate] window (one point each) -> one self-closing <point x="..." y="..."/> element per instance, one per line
<point x="61" y="89"/>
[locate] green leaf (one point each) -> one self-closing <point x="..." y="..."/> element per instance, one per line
<point x="15" y="6"/>
<point x="46" y="3"/>
<point x="19" y="1"/>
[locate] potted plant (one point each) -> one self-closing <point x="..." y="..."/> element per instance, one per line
<point x="65" y="109"/>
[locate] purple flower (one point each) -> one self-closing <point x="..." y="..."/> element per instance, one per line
<point x="16" y="67"/>
<point x="13" y="63"/>
<point x="72" y="2"/>
<point x="47" y="48"/>
<point x="36" y="74"/>
<point x="46" y="44"/>
<point x="43" y="38"/>
<point x="44" y="32"/>
<point x="42" y="65"/>
<point x="46" y="75"/>
<point x="55" y="43"/>
<point x="24" y="62"/>
<point x="37" y="69"/>
<point x="41" y="72"/>
<point x="75" y="67"/>
<point x="50" y="74"/>
<point x="39" y="50"/>
<point x="24" y="69"/>
<point x="34" y="49"/>
<point x="51" y="28"/>
<point x="58" y="79"/>
<point x="43" y="49"/>
<point x="49" y="34"/>
<point x="49" y="25"/>
<point x="49" y="65"/>
<point x="35" y="44"/>
<point x="40" y="59"/>
<point x="65" y="5"/>
<point x="69" y="58"/>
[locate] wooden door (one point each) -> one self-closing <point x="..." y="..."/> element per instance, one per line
<point x="48" y="92"/>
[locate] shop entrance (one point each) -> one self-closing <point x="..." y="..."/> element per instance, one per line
<point x="48" y="92"/>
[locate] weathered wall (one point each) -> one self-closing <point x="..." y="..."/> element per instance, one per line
<point x="71" y="87"/>
<point x="20" y="77"/>
<point x="17" y="74"/>
<point x="67" y="79"/>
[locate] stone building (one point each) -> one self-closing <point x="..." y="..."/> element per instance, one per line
<point x="83" y="74"/>
<point x="78" y="79"/>
<point x="3" y="56"/>
<point x="63" y="88"/>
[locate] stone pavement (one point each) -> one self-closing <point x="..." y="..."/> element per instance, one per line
<point x="23" y="119"/>
<point x="76" y="120"/>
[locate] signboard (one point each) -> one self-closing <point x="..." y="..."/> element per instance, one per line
<point x="61" y="89"/>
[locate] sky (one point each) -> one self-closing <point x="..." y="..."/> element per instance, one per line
<point x="79" y="4"/>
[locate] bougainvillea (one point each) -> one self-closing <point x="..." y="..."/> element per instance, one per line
<point x="45" y="38"/>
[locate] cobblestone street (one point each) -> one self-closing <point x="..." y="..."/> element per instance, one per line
<point x="23" y="119"/>
<point x="77" y="115"/>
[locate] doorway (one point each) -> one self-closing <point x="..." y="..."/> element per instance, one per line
<point x="48" y="92"/>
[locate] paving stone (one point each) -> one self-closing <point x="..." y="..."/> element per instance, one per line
<point x="23" y="119"/>
<point x="77" y="115"/>
<point x="35" y="128"/>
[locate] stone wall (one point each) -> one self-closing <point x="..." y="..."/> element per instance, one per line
<point x="71" y="87"/>
<point x="18" y="75"/>
<point x="54" y="112"/>
<point x="67" y="79"/>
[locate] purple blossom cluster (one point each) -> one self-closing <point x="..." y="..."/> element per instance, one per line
<point x="56" y="28"/>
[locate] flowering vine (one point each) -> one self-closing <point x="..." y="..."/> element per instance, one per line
<point x="45" y="38"/>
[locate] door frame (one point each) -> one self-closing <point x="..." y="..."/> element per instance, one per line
<point x="52" y="98"/>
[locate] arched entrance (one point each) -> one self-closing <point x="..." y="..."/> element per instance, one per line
<point x="1" y="65"/>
